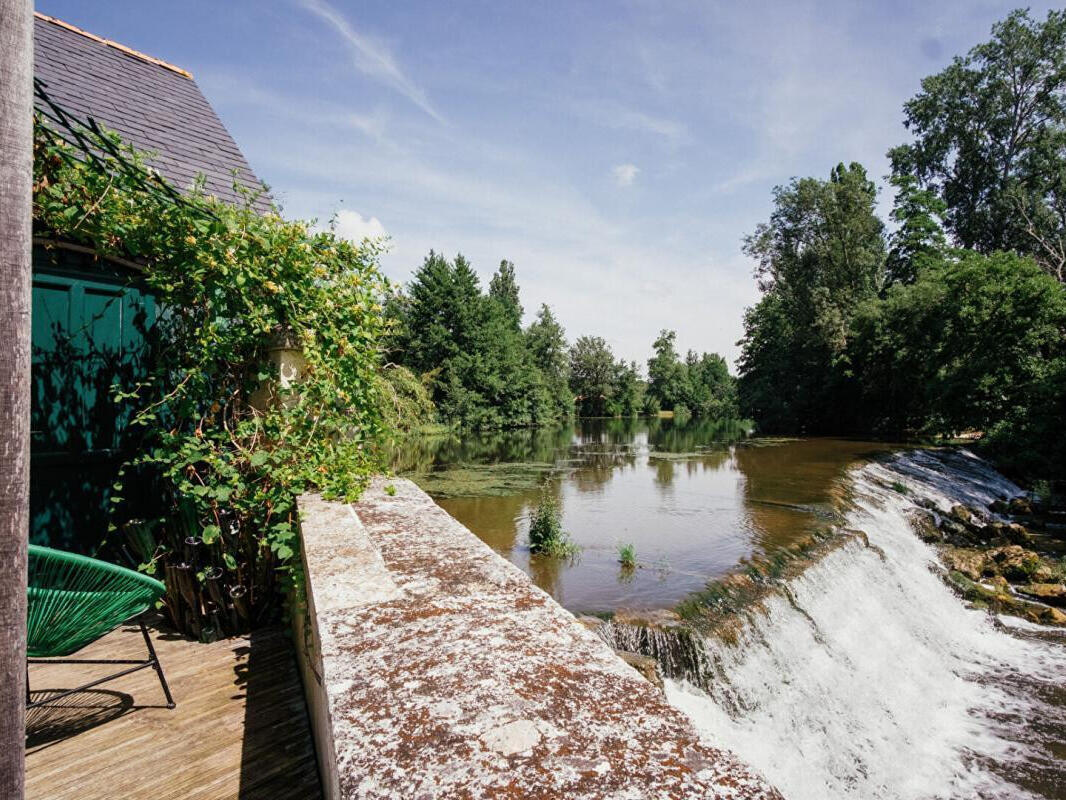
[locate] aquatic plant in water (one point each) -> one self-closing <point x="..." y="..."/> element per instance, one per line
<point x="546" y="534"/>
<point x="483" y="480"/>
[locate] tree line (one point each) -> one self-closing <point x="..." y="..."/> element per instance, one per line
<point x="955" y="320"/>
<point x="462" y="353"/>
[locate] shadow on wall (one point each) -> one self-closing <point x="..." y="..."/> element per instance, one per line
<point x="91" y="329"/>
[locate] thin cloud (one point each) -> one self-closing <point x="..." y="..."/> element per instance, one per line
<point x="371" y="57"/>
<point x="612" y="115"/>
<point x="625" y="174"/>
<point x="231" y="90"/>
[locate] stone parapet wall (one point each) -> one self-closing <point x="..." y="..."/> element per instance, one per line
<point x="436" y="669"/>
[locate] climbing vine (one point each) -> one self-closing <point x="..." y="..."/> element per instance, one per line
<point x="221" y="468"/>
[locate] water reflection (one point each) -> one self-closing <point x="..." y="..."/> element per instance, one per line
<point x="694" y="499"/>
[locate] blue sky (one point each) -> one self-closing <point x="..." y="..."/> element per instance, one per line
<point x="616" y="152"/>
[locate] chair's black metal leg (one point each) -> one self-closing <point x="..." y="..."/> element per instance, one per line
<point x="154" y="660"/>
<point x="28" y="700"/>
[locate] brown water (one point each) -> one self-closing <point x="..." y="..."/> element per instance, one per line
<point x="693" y="498"/>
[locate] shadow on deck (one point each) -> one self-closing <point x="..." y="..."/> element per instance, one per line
<point x="240" y="729"/>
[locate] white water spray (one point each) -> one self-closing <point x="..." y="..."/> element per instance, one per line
<point x="878" y="682"/>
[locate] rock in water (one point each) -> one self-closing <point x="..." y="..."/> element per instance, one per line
<point x="924" y="524"/>
<point x="647" y="666"/>
<point x="1020" y="505"/>
<point x="971" y="563"/>
<point x="1015" y="563"/>
<point x="962" y="514"/>
<point x="1051" y="593"/>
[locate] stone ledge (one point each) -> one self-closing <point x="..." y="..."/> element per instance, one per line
<point x="436" y="669"/>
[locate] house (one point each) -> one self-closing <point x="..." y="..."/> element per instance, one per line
<point x="89" y="312"/>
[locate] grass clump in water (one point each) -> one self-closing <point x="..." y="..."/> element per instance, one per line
<point x="627" y="556"/>
<point x="546" y="534"/>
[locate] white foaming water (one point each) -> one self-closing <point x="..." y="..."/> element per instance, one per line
<point x="877" y="681"/>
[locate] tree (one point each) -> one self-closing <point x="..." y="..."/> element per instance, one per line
<point x="16" y="180"/>
<point x="627" y="393"/>
<point x="503" y="288"/>
<point x="443" y="313"/>
<point x="709" y="389"/>
<point x="990" y="141"/>
<point x="592" y="375"/>
<point x="769" y="383"/>
<point x="919" y="236"/>
<point x="547" y="344"/>
<point x="974" y="342"/>
<point x="666" y="375"/>
<point x="469" y="347"/>
<point x="821" y="254"/>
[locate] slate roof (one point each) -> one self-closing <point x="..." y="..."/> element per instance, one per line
<point x="153" y="105"/>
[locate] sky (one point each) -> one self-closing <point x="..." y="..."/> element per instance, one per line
<point x="616" y="151"/>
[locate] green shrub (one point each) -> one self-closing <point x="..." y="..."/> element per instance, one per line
<point x="546" y="534"/>
<point x="627" y="556"/>
<point x="406" y="405"/>
<point x="222" y="470"/>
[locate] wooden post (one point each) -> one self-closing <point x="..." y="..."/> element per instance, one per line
<point x="16" y="182"/>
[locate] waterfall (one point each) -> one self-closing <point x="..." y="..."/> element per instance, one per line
<point x="864" y="676"/>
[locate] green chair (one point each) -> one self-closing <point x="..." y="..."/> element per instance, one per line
<point x="73" y="600"/>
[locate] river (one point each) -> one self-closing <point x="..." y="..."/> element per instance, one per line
<point x="864" y="676"/>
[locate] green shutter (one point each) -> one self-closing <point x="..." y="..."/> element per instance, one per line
<point x="89" y="328"/>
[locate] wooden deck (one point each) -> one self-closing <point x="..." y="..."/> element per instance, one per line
<point x="240" y="728"/>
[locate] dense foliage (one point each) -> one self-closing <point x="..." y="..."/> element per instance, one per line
<point x="700" y="385"/>
<point x="469" y="347"/>
<point x="956" y="322"/>
<point x="989" y="135"/>
<point x="821" y="254"/>
<point x="602" y="385"/>
<point x="546" y="341"/>
<point x="217" y="474"/>
<point x="483" y="371"/>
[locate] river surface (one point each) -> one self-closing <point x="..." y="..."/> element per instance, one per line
<point x="694" y="499"/>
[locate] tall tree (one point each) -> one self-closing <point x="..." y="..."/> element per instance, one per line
<point x="666" y="375"/>
<point x="627" y="393"/>
<point x="709" y="389"/>
<point x="822" y="252"/>
<point x="919" y="236"/>
<point x="16" y="180"/>
<point x="443" y="312"/>
<point x="503" y="288"/>
<point x="547" y="344"/>
<point x="990" y="140"/>
<point x="468" y="347"/>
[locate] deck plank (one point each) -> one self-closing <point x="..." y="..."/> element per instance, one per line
<point x="240" y="731"/>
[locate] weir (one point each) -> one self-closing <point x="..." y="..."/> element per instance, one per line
<point x="864" y="675"/>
